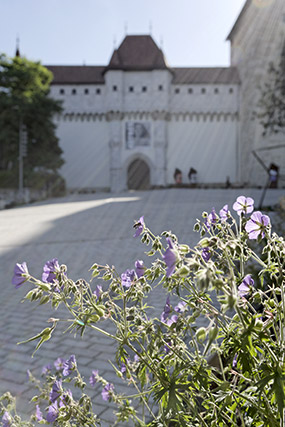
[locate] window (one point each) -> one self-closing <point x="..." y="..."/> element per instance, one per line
<point x="190" y="90"/>
<point x="86" y="91"/>
<point x="203" y="90"/>
<point x="160" y="88"/>
<point x="231" y="90"/>
<point x="216" y="90"/>
<point x="144" y="89"/>
<point x="131" y="88"/>
<point x="115" y="88"/>
<point x="98" y="91"/>
<point x="61" y="91"/>
<point x="73" y="91"/>
<point x="177" y="90"/>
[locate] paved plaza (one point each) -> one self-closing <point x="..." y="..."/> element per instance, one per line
<point x="80" y="230"/>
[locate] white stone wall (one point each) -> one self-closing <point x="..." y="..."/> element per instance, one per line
<point x="257" y="40"/>
<point x="81" y="102"/>
<point x="86" y="153"/>
<point x="209" y="146"/>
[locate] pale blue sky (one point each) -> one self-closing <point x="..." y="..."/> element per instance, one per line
<point x="83" y="31"/>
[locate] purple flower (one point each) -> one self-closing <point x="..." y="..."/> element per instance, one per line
<point x="224" y="213"/>
<point x="167" y="347"/>
<point x="107" y="392"/>
<point x="98" y="291"/>
<point x="234" y="364"/>
<point x="172" y="320"/>
<point x="53" y="411"/>
<point x="69" y="366"/>
<point x="139" y="226"/>
<point x="170" y="257"/>
<point x="55" y="391"/>
<point x="181" y="307"/>
<point x="39" y="415"/>
<point x="243" y="205"/>
<point x="123" y="368"/>
<point x="59" y="363"/>
<point x="139" y="268"/>
<point x="65" y="398"/>
<point x="136" y="358"/>
<point x="94" y="377"/>
<point x="244" y="287"/>
<point x="166" y="310"/>
<point x="206" y="254"/>
<point x="6" y="419"/>
<point x="21" y="274"/>
<point x="128" y="278"/>
<point x="50" y="269"/>
<point x="46" y="369"/>
<point x="212" y="218"/>
<point x="256" y="225"/>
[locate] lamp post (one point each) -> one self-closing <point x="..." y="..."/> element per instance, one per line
<point x="22" y="153"/>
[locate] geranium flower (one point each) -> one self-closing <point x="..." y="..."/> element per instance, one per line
<point x="170" y="257"/>
<point x="6" y="419"/>
<point x="39" y="415"/>
<point x="244" y="287"/>
<point x="139" y="226"/>
<point x="69" y="366"/>
<point x="206" y="254"/>
<point x="166" y="310"/>
<point x="94" y="377"/>
<point x="139" y="268"/>
<point x="172" y="320"/>
<point x="98" y="291"/>
<point x="107" y="392"/>
<point x="212" y="218"/>
<point x="53" y="411"/>
<point x="243" y="205"/>
<point x="256" y="225"/>
<point x="46" y="368"/>
<point x="21" y="274"/>
<point x="128" y="278"/>
<point x="181" y="307"/>
<point x="59" y="363"/>
<point x="224" y="213"/>
<point x="55" y="391"/>
<point x="50" y="268"/>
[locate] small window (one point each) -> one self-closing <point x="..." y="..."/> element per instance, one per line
<point x="160" y="88"/>
<point x="190" y="90"/>
<point x="216" y="90"/>
<point x="86" y="91"/>
<point x="231" y="90"/>
<point x="203" y="90"/>
<point x="98" y="91"/>
<point x="131" y="88"/>
<point x="177" y="90"/>
<point x="144" y="89"/>
<point x="73" y="91"/>
<point x="115" y="88"/>
<point x="61" y="91"/>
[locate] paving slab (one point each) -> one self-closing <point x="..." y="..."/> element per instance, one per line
<point x="80" y="230"/>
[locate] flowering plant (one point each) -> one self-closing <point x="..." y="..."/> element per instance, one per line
<point x="215" y="354"/>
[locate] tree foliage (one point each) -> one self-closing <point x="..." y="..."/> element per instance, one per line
<point x="272" y="100"/>
<point x="24" y="97"/>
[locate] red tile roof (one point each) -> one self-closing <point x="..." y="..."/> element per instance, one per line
<point x="137" y="53"/>
<point x="213" y="75"/>
<point x="77" y="74"/>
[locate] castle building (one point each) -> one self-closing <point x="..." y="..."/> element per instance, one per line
<point x="133" y="122"/>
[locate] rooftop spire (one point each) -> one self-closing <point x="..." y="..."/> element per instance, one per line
<point x="17" y="47"/>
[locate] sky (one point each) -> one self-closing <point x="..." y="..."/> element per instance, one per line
<point x="77" y="32"/>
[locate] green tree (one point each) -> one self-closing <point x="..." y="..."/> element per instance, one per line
<point x="24" y="97"/>
<point x="272" y="101"/>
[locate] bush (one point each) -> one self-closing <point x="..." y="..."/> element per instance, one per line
<point x="222" y="313"/>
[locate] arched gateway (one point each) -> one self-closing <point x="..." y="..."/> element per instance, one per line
<point x="138" y="175"/>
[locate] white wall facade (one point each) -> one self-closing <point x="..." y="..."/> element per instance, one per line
<point x="189" y="126"/>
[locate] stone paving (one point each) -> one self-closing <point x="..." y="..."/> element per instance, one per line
<point x="80" y="230"/>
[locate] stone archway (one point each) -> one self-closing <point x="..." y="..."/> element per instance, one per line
<point x="138" y="175"/>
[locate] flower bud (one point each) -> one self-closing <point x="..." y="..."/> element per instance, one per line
<point x="201" y="334"/>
